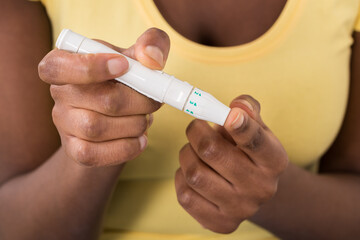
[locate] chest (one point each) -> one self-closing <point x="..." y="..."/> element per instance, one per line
<point x="229" y="23"/>
<point x="298" y="69"/>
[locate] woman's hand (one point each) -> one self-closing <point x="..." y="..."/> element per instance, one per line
<point x="228" y="173"/>
<point x="102" y="122"/>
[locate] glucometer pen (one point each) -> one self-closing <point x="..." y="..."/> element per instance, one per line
<point x="154" y="84"/>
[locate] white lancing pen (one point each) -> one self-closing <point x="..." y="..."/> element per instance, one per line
<point x="154" y="84"/>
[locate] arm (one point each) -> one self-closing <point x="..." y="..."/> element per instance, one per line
<point x="324" y="205"/>
<point x="293" y="205"/>
<point x="25" y="100"/>
<point x="46" y="194"/>
<point x="38" y="190"/>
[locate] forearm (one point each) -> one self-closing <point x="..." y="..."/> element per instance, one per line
<point x="310" y="206"/>
<point x="58" y="200"/>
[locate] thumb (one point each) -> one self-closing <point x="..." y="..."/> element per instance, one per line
<point x="151" y="49"/>
<point x="235" y="121"/>
<point x="244" y="123"/>
<point x="247" y="133"/>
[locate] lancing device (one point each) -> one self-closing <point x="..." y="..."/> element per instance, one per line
<point x="154" y="84"/>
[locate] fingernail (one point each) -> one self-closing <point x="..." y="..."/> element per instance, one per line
<point x="238" y="121"/>
<point x="247" y="104"/>
<point x="150" y="119"/>
<point x="155" y="53"/>
<point x="143" y="142"/>
<point x="115" y="66"/>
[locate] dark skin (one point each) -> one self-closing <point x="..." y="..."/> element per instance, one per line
<point x="46" y="194"/>
<point x="205" y="22"/>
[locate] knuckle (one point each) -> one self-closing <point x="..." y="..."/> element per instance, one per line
<point x="186" y="198"/>
<point x="129" y="151"/>
<point x="143" y="125"/>
<point x="195" y="177"/>
<point x="209" y="149"/>
<point x="190" y="127"/>
<point x="56" y="92"/>
<point x="55" y="113"/>
<point x="48" y="69"/>
<point x="183" y="151"/>
<point x="91" y="126"/>
<point x="193" y="125"/>
<point x="83" y="154"/>
<point x="88" y="66"/>
<point x="255" y="140"/>
<point x="111" y="105"/>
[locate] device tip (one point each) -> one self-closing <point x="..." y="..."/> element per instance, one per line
<point x="69" y="41"/>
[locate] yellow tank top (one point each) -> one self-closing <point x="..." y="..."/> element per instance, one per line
<point x="298" y="70"/>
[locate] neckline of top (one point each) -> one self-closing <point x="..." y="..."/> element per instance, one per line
<point x="229" y="54"/>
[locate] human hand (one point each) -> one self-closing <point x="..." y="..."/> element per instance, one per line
<point x="102" y="122"/>
<point x="225" y="175"/>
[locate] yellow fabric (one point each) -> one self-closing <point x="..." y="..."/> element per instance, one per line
<point x="298" y="70"/>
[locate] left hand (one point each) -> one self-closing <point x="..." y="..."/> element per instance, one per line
<point x="226" y="174"/>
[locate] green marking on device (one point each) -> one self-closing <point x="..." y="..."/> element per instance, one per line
<point x="193" y="103"/>
<point x="197" y="93"/>
<point x="187" y="110"/>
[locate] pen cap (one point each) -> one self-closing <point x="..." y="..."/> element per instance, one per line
<point x="69" y="41"/>
<point x="177" y="93"/>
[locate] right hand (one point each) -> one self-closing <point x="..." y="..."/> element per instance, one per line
<point x="102" y="122"/>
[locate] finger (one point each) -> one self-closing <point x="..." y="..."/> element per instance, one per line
<point x="105" y="153"/>
<point x="221" y="155"/>
<point x="205" y="212"/>
<point x="151" y="49"/>
<point x="109" y="98"/>
<point x="96" y="127"/>
<point x="205" y="181"/>
<point x="251" y="106"/>
<point x="61" y="67"/>
<point x="260" y="145"/>
<point x="222" y="131"/>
